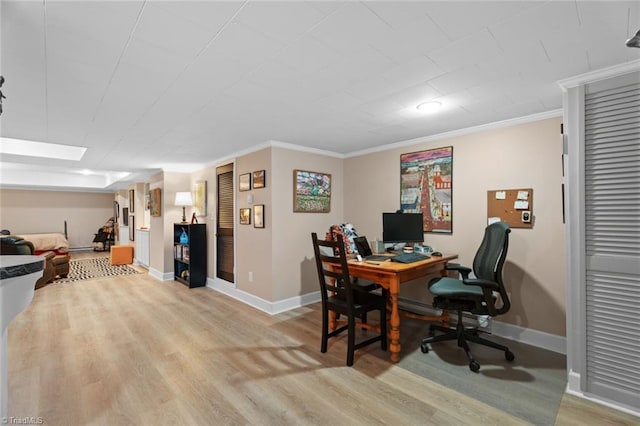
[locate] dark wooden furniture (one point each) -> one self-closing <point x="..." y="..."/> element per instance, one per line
<point x="390" y="275"/>
<point x="190" y="258"/>
<point x="341" y="296"/>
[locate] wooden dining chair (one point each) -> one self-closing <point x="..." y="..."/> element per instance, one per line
<point x="341" y="296"/>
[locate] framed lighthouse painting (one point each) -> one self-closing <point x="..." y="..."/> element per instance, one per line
<point x="426" y="184"/>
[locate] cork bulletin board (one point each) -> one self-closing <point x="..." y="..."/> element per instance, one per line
<point x="514" y="206"/>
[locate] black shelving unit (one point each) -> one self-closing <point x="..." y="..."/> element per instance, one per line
<point x="190" y="259"/>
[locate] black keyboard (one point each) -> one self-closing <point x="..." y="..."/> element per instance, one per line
<point x="377" y="258"/>
<point x="409" y="257"/>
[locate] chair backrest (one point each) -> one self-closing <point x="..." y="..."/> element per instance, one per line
<point x="332" y="280"/>
<point x="490" y="258"/>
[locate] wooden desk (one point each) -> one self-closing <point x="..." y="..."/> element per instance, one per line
<point x="390" y="275"/>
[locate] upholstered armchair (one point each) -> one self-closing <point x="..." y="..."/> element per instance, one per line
<point x="11" y="244"/>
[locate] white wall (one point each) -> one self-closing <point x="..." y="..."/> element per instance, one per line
<point x="30" y="212"/>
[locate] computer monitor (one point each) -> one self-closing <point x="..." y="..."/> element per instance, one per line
<point x="402" y="228"/>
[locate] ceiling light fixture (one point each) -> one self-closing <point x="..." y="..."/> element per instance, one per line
<point x="41" y="149"/>
<point x="431" y="106"/>
<point x="634" y="41"/>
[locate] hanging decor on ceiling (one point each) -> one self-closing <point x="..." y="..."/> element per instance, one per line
<point x="634" y="41"/>
<point x="2" y="96"/>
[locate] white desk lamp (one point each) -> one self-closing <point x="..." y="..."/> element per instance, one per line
<point x="183" y="199"/>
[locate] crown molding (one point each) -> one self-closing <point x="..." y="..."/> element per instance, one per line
<point x="461" y="132"/>
<point x="600" y="74"/>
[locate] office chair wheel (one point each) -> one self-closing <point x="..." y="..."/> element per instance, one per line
<point x="474" y="366"/>
<point x="424" y="348"/>
<point x="509" y="356"/>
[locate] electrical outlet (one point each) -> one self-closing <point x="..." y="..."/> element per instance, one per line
<point x="250" y="277"/>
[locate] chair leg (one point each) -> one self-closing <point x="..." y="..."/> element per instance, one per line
<point x="463" y="336"/>
<point x="351" y="340"/>
<point x="383" y="328"/>
<point x="476" y="338"/>
<point x="325" y="330"/>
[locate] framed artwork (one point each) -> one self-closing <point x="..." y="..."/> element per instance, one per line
<point x="244" y="182"/>
<point x="311" y="192"/>
<point x="125" y="216"/>
<point x="259" y="179"/>
<point x="132" y="228"/>
<point x="258" y="216"/>
<point x="155" y="202"/>
<point x="245" y="216"/>
<point x="132" y="200"/>
<point x="200" y="197"/>
<point x="426" y="182"/>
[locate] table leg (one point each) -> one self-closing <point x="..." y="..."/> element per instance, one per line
<point x="333" y="323"/>
<point x="394" y="322"/>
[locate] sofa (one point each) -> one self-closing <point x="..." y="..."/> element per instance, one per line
<point x="54" y="265"/>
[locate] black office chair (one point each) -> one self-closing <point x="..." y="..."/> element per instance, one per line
<point x="341" y="296"/>
<point x="475" y="295"/>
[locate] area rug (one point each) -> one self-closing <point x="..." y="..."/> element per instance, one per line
<point x="530" y="387"/>
<point x="86" y="269"/>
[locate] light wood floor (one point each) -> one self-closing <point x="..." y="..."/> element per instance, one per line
<point x="134" y="350"/>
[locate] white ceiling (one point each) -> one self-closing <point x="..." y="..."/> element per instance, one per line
<point x="179" y="85"/>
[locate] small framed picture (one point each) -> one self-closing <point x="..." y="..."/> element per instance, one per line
<point x="155" y="203"/>
<point x="245" y="216"/>
<point x="244" y="182"/>
<point x="132" y="203"/>
<point x="132" y="227"/>
<point x="258" y="216"/>
<point x="259" y="179"/>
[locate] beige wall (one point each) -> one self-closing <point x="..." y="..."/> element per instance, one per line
<point x="161" y="228"/>
<point x="253" y="252"/>
<point x="294" y="271"/>
<point x="521" y="156"/>
<point x="29" y="212"/>
<point x="208" y="175"/>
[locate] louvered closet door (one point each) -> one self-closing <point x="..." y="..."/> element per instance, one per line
<point x="224" y="223"/>
<point x="612" y="239"/>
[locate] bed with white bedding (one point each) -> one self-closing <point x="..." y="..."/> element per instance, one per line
<point x="52" y="241"/>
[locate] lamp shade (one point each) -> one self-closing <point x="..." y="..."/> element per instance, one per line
<point x="183" y="199"/>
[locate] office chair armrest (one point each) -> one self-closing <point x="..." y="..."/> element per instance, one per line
<point x="463" y="270"/>
<point x="492" y="285"/>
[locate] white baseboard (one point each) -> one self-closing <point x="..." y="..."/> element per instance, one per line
<point x="159" y="275"/>
<point x="516" y="333"/>
<point x="271" y="308"/>
<point x="573" y="388"/>
<point x="573" y="383"/>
